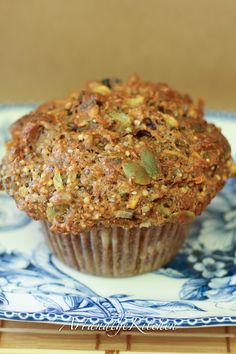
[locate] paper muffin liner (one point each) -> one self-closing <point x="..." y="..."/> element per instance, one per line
<point x="118" y="252"/>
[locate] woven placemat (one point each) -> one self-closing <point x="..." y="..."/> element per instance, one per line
<point x="26" y="337"/>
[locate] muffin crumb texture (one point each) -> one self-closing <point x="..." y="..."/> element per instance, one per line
<point x="121" y="154"/>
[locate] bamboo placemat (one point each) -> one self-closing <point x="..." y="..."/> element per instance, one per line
<point x="25" y="337"/>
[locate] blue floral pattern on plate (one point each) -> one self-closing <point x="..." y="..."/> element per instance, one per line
<point x="208" y="258"/>
<point x="197" y="288"/>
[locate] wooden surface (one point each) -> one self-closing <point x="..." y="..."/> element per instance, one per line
<point x="25" y="337"/>
<point x="51" y="47"/>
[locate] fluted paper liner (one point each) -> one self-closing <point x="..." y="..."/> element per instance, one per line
<point x="118" y="252"/>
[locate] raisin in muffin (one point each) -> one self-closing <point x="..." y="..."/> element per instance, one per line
<point x="116" y="173"/>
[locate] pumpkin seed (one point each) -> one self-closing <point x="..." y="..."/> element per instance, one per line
<point x="51" y="213"/>
<point x="163" y="210"/>
<point x="137" y="172"/>
<point x="155" y="196"/>
<point x="171" y="121"/>
<point x="123" y="214"/>
<point x="102" y="89"/>
<point x="123" y="189"/>
<point x="135" y="101"/>
<point x="57" y="180"/>
<point x="71" y="177"/>
<point x="122" y="118"/>
<point x="133" y="201"/>
<point x="145" y="209"/>
<point x="150" y="163"/>
<point x="145" y="224"/>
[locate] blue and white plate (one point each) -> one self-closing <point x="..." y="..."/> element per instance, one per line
<point x="198" y="288"/>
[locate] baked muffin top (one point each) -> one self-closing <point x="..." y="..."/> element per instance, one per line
<point x="116" y="153"/>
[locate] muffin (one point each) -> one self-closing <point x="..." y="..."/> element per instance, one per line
<point x="116" y="173"/>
